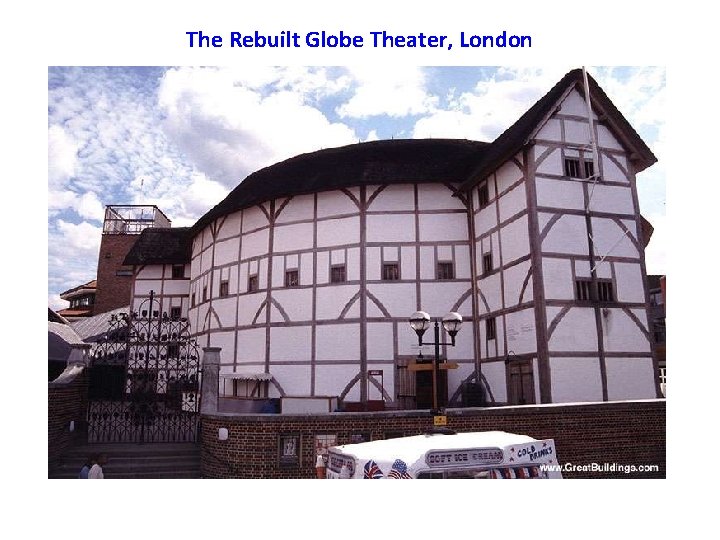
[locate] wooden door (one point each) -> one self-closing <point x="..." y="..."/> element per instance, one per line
<point x="521" y="382"/>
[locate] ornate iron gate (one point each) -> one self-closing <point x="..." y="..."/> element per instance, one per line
<point x="144" y="379"/>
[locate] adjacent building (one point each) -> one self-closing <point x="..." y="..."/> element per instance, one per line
<point x="306" y="273"/>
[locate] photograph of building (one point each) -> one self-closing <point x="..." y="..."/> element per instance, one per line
<point x="299" y="285"/>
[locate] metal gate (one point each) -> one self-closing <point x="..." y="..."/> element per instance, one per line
<point x="144" y="379"/>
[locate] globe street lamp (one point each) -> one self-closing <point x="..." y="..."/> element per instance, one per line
<point x="420" y="322"/>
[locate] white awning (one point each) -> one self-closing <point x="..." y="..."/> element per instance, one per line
<point x="247" y="376"/>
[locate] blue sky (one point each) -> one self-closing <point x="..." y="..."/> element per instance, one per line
<point x="181" y="138"/>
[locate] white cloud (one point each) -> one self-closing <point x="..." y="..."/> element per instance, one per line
<point x="393" y="90"/>
<point x="80" y="237"/>
<point x="62" y="156"/>
<point x="90" y="207"/>
<point x="229" y="129"/>
<point x="656" y="251"/>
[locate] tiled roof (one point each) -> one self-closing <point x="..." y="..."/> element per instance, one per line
<point x="89" y="285"/>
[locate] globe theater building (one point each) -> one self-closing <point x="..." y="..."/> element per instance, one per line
<point x="305" y="275"/>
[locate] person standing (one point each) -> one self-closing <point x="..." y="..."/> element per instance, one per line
<point x="96" y="471"/>
<point x="86" y="467"/>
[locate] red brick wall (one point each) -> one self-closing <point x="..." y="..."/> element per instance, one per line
<point x="113" y="291"/>
<point x="66" y="402"/>
<point x="628" y="433"/>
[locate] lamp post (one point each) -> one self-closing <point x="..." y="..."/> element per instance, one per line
<point x="420" y="322"/>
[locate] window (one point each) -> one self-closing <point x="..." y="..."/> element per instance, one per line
<point x="487" y="263"/>
<point x="224" y="288"/>
<point x="589" y="169"/>
<point x="253" y="283"/>
<point x="603" y="292"/>
<point x="390" y="272"/>
<point x="205" y="294"/>
<point x="175" y="313"/>
<point x="483" y="195"/>
<point x="123" y="273"/>
<point x="572" y="167"/>
<point x="490" y="329"/>
<point x="292" y="278"/>
<point x="192" y="300"/>
<point x="337" y="274"/>
<point x="178" y="271"/>
<point x="445" y="270"/>
<point x="656" y="298"/>
<point x="289" y="449"/>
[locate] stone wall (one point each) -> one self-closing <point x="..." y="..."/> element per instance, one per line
<point x="626" y="433"/>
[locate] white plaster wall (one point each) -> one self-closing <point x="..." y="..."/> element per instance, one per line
<point x="255" y="244"/>
<point x="427" y="262"/>
<point x="485" y="219"/>
<point x="463" y="268"/>
<point x="380" y="341"/>
<point x="227" y="251"/>
<point x="151" y="271"/>
<point x="225" y="310"/>
<point x="393" y="197"/>
<point x="230" y="227"/>
<point x="251" y="345"/>
<point x="206" y="260"/>
<point x="612" y="199"/>
<point x="253" y="218"/>
<point x="575" y="104"/>
<point x="610" y="239"/>
<point x="439" y="298"/>
<point x="331" y="300"/>
<point x="195" y="266"/>
<point x="515" y="243"/>
<point x="437" y="197"/>
<point x="577" y="132"/>
<point x="575" y="379"/>
<point x="387" y="381"/>
<point x="353" y="264"/>
<point x="207" y="239"/>
<point x="297" y="303"/>
<point x="512" y="202"/>
<point x="143" y="287"/>
<point x="397" y="298"/>
<point x="606" y="139"/>
<point x="330" y="380"/>
<point x="373" y="264"/>
<point x="551" y="130"/>
<point x="463" y="349"/>
<point x="558" y="279"/>
<point x="226" y="341"/>
<point x="630" y="378"/>
<point x="629" y="282"/>
<point x="611" y="172"/>
<point x="336" y="232"/>
<point x="494" y="373"/>
<point x="295" y="237"/>
<point x="248" y="304"/>
<point x="391" y="228"/>
<point x="335" y="203"/>
<point x="408" y="269"/>
<point x="521" y="337"/>
<point x="575" y="332"/>
<point x="490" y="287"/>
<point x="513" y="278"/>
<point x="560" y="194"/>
<point x="338" y="342"/>
<point x="621" y="334"/>
<point x="300" y="207"/>
<point x="443" y="227"/>
<point x="552" y="163"/>
<point x="567" y="235"/>
<point x="290" y="344"/>
<point x="295" y="380"/>
<point x="306" y="269"/>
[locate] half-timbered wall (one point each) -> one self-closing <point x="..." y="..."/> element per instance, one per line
<point x="169" y="291"/>
<point x="597" y="350"/>
<point x="318" y="336"/>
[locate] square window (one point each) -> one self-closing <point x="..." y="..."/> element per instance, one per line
<point x="253" y="283"/>
<point x="391" y="272"/>
<point x="289" y="449"/>
<point x="589" y="169"/>
<point x="337" y="274"/>
<point x="487" y="263"/>
<point x="224" y="289"/>
<point x="583" y="289"/>
<point x="292" y="278"/>
<point x="178" y="271"/>
<point x="445" y="270"/>
<point x="490" y="329"/>
<point x="606" y="292"/>
<point x="483" y="195"/>
<point x="175" y="313"/>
